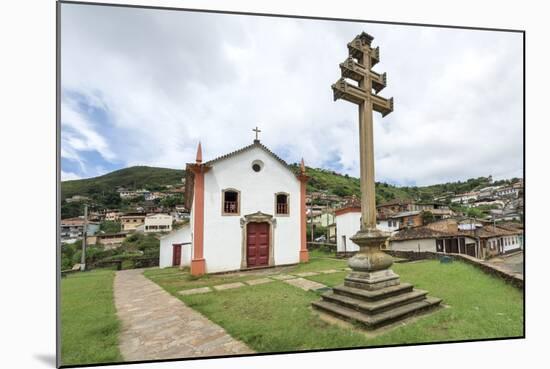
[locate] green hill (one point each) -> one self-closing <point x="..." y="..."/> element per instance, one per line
<point x="102" y="190"/>
<point x="133" y="178"/>
<point x="344" y="185"/>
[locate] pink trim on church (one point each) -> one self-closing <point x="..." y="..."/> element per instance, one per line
<point x="198" y="266"/>
<point x="304" y="255"/>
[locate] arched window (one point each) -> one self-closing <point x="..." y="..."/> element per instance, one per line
<point x="230" y="202"/>
<point x="281" y="204"/>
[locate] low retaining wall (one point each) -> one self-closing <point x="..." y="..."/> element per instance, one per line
<point x="508" y="277"/>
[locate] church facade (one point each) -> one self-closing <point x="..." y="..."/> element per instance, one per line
<point x="247" y="211"/>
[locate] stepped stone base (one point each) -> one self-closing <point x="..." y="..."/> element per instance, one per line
<point x="374" y="299"/>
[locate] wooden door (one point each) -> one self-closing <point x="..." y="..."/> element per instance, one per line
<point x="176" y="254"/>
<point x="257" y="244"/>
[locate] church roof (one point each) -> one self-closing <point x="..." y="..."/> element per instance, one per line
<point x="190" y="177"/>
<point x="255" y="144"/>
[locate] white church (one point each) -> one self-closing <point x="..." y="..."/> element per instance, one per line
<point x="247" y="210"/>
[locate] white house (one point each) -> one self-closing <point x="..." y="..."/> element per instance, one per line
<point x="465" y="197"/>
<point x="175" y="248"/>
<point x="348" y="222"/>
<point x="247" y="210"/>
<point x="158" y="223"/>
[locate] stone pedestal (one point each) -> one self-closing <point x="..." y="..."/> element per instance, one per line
<point x="372" y="294"/>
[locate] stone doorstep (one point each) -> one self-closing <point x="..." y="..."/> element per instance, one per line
<point x="195" y="291"/>
<point x="227" y="286"/>
<point x="304" y="284"/>
<point x="254" y="282"/>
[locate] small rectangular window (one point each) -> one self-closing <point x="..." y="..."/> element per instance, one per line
<point x="230" y="200"/>
<point x="281" y="204"/>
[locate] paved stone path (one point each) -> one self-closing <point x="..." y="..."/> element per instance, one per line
<point x="304" y="284"/>
<point x="295" y="280"/>
<point x="156" y="325"/>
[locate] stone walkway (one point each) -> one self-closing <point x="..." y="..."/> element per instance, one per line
<point x="156" y="325"/>
<point x="295" y="279"/>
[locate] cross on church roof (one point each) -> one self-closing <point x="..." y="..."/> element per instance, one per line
<point x="257" y="131"/>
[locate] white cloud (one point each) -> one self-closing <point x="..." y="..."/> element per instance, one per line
<point x="69" y="176"/>
<point x="170" y="79"/>
<point x="79" y="134"/>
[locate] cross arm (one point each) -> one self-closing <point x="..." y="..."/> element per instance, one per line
<point x="355" y="71"/>
<point x="357" y="49"/>
<point x="343" y="90"/>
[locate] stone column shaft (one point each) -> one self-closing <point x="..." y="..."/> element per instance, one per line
<point x="366" y="153"/>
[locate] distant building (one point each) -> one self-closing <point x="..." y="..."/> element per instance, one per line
<point x="181" y="209"/>
<point x="465" y="197"/>
<point x="158" y="223"/>
<point x="323" y="219"/>
<point x="150" y="196"/>
<point x="111" y="240"/>
<point x="468" y="237"/>
<point x="408" y="218"/>
<point x="507" y="192"/>
<point x="131" y="221"/>
<point x="392" y="207"/>
<point x="72" y="229"/>
<point x="113" y="215"/>
<point x="348" y="222"/>
<point x="77" y="198"/>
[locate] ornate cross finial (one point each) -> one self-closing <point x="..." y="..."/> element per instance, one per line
<point x="257" y="131"/>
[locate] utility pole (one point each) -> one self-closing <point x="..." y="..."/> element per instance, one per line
<point x="311" y="216"/>
<point x="84" y="233"/>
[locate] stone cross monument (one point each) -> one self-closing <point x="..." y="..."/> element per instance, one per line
<point x="372" y="294"/>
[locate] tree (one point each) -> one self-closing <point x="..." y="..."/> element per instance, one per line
<point x="171" y="201"/>
<point x="427" y="217"/>
<point x="72" y="209"/>
<point x="341" y="190"/>
<point x="109" y="226"/>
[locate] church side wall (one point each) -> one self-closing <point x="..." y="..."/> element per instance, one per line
<point x="179" y="236"/>
<point x="347" y="225"/>
<point x="223" y="235"/>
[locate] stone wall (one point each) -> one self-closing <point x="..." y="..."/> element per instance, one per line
<point x="510" y="278"/>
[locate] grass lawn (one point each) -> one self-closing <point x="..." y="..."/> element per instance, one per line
<point x="89" y="325"/>
<point x="174" y="279"/>
<point x="319" y="260"/>
<point x="277" y="317"/>
<point x="481" y="306"/>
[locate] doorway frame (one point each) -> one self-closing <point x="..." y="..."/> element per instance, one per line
<point x="257" y="217"/>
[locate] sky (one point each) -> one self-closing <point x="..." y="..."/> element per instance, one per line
<point x="143" y="87"/>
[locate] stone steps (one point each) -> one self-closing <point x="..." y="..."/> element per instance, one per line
<point x="376" y="306"/>
<point x="373" y="295"/>
<point x="376" y="320"/>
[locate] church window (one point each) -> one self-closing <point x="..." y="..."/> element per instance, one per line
<point x="257" y="165"/>
<point x="230" y="199"/>
<point x="281" y="204"/>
